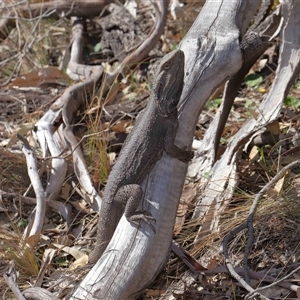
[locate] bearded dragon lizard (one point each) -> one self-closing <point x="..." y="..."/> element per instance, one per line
<point x="153" y="133"/>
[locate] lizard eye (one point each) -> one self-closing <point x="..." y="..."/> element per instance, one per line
<point x="166" y="67"/>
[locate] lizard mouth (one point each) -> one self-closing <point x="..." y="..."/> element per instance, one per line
<point x="169" y="99"/>
<point x="169" y="83"/>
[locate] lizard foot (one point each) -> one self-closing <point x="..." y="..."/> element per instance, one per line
<point x="186" y="155"/>
<point x="142" y="216"/>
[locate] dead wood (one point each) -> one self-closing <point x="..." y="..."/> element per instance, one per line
<point x="38" y="220"/>
<point x="53" y="9"/>
<point x="207" y="159"/>
<point x="161" y="9"/>
<point x="144" y="47"/>
<point x="248" y="224"/>
<point x="223" y="179"/>
<point x="36" y="293"/>
<point x="11" y="277"/>
<point x="223" y="172"/>
<point x="196" y="267"/>
<point x="63" y="110"/>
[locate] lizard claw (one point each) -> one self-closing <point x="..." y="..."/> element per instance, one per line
<point x="186" y="155"/>
<point x="141" y="216"/>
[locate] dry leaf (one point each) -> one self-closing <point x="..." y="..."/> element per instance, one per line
<point x="49" y="75"/>
<point x="24" y="129"/>
<point x="121" y="126"/>
<point x="77" y="254"/>
<point x="188" y="195"/>
<point x="274" y="127"/>
<point x="212" y="263"/>
<point x="80" y="205"/>
<point x="65" y="191"/>
<point x="275" y="191"/>
<point x="33" y="240"/>
<point x="254" y="154"/>
<point x="49" y="254"/>
<point x="64" y="240"/>
<point x="81" y="261"/>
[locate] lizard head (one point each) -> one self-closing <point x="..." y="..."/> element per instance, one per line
<point x="169" y="82"/>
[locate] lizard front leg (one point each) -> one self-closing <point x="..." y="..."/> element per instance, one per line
<point x="126" y="200"/>
<point x="172" y="149"/>
<point x="132" y="194"/>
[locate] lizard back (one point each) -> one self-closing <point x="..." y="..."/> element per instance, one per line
<point x="153" y="133"/>
<point x="144" y="145"/>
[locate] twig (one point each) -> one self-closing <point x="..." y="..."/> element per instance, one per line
<point x="195" y="266"/>
<point x="161" y="9"/>
<point x="37" y="186"/>
<point x="258" y="276"/>
<point x="249" y="225"/>
<point x="10" y="278"/>
<point x="227" y="259"/>
<point x="251" y="294"/>
<point x="37" y="293"/>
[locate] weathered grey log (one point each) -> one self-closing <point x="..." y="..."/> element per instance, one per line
<point x="223" y="179"/>
<point x="206" y="154"/>
<point x="135" y="255"/>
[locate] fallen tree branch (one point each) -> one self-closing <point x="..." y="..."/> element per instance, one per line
<point x="218" y="189"/>
<point x="62" y="111"/>
<point x="206" y="154"/>
<point x="10" y="278"/>
<point x="248" y="224"/>
<point x="258" y="276"/>
<point x="195" y="266"/>
<point x="36" y="293"/>
<point x="279" y="282"/>
<point x="33" y="174"/>
<point x="161" y="9"/>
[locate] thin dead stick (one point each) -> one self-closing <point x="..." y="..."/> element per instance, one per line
<point x="37" y="186"/>
<point x="161" y="9"/>
<point x="10" y="278"/>
<point x="37" y="293"/>
<point x="258" y="276"/>
<point x="251" y="294"/>
<point x="72" y="150"/>
<point x="195" y="266"/>
<point x="249" y="225"/>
